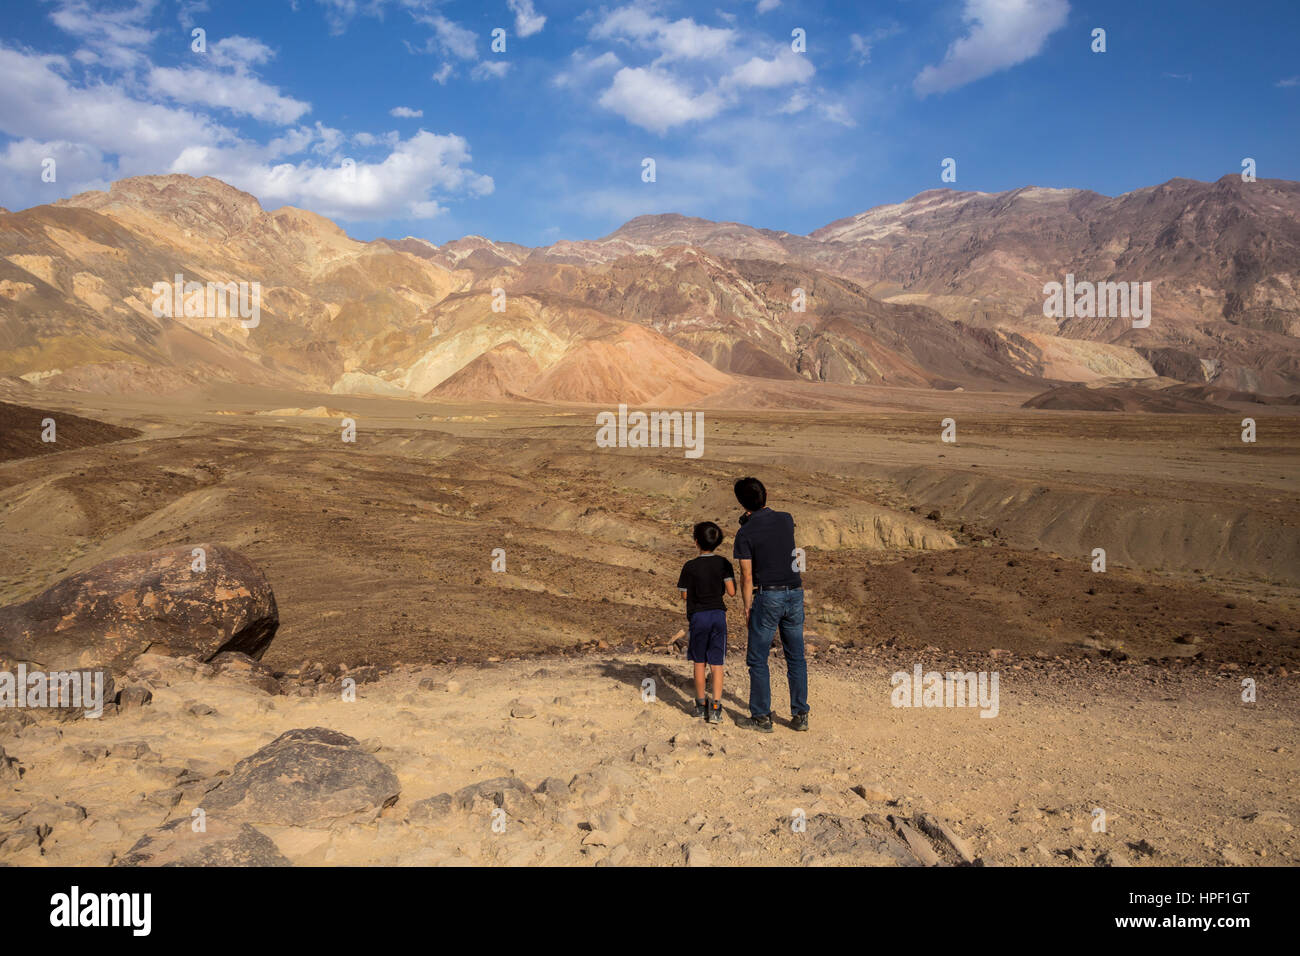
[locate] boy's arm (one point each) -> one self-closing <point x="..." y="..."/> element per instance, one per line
<point x="731" y="587"/>
<point x="747" y="584"/>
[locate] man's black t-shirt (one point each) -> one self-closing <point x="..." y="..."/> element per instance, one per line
<point x="767" y="539"/>
<point x="703" y="579"/>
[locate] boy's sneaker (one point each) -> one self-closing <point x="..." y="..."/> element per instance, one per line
<point x="762" y="724"/>
<point x="701" y="707"/>
<point x="715" y="714"/>
<point x="799" y="722"/>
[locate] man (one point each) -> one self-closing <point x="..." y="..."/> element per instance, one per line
<point x="772" y="594"/>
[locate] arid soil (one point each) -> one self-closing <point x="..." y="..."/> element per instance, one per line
<point x="1185" y="772"/>
<point x="1120" y="690"/>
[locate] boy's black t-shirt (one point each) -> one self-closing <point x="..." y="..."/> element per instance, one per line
<point x="703" y="579"/>
<point x="767" y="539"/>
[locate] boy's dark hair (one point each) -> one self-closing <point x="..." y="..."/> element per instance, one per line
<point x="751" y="494"/>
<point x="707" y="535"/>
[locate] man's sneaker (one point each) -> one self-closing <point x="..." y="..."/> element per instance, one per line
<point x="761" y="724"/>
<point x="799" y="722"/>
<point x="701" y="707"/>
<point x="715" y="713"/>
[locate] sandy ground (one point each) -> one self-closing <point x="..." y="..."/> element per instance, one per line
<point x="1185" y="771"/>
<point x="1120" y="690"/>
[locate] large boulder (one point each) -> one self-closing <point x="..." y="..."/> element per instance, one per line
<point x="155" y="601"/>
<point x="311" y="777"/>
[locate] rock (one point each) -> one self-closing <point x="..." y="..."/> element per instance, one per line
<point x="433" y="809"/>
<point x="918" y="844"/>
<point x="697" y="854"/>
<point x="200" y="709"/>
<point x="939" y="830"/>
<point x="873" y="792"/>
<point x="509" y="793"/>
<point x="134" y="697"/>
<point x="110" y="614"/>
<point x="21" y="839"/>
<point x="10" y="769"/>
<point x="555" y="791"/>
<point x="1112" y="858"/>
<point x="1142" y="848"/>
<point x="523" y="708"/>
<point x="609" y="830"/>
<point x="222" y="844"/>
<point x="239" y="666"/>
<point x="1274" y="818"/>
<point x="306" y="777"/>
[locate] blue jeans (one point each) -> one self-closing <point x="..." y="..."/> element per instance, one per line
<point x="772" y="610"/>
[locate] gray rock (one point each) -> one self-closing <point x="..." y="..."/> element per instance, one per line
<point x="509" y="793"/>
<point x="238" y="666"/>
<point x="224" y="843"/>
<point x="433" y="809"/>
<point x="135" y="697"/>
<point x="306" y="777"/>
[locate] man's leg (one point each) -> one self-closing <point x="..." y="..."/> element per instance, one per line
<point x="699" y="680"/>
<point x="796" y="666"/>
<point x="762" y="629"/>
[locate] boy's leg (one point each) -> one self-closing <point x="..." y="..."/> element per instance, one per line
<point x="699" y="680"/>
<point x="717" y="684"/>
<point x="762" y="629"/>
<point x="796" y="665"/>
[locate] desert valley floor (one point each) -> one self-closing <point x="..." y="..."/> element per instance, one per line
<point x="1120" y="690"/>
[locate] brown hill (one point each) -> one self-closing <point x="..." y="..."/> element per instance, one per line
<point x="1080" y="398"/>
<point x="21" y="429"/>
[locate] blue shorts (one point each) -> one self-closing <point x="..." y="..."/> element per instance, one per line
<point x="708" y="640"/>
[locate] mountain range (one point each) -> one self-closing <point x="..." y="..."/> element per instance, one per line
<point x="942" y="291"/>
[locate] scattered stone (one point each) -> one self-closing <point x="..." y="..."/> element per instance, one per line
<point x="241" y="667"/>
<point x="305" y="777"/>
<point x="223" y="843"/>
<point x="134" y="697"/>
<point x="523" y="709"/>
<point x="939" y="830"/>
<point x="697" y="854"/>
<point x="10" y="769"/>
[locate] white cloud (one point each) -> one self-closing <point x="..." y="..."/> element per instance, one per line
<point x="862" y="45"/>
<point x="583" y="69"/>
<point x="782" y="70"/>
<point x="237" y="51"/>
<point x="490" y="70"/>
<point x="445" y="72"/>
<point x="1001" y="34"/>
<point x="405" y="112"/>
<point x="657" y="101"/>
<point x="115" y="38"/>
<point x="766" y="6"/>
<point x="238" y="92"/>
<point x="527" y="20"/>
<point x="99" y="132"/>
<point x="449" y="37"/>
<point x="673" y="39"/>
<point x="1289" y="81"/>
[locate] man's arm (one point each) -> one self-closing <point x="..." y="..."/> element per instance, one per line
<point x="747" y="584"/>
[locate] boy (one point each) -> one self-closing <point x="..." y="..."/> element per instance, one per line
<point x="703" y="581"/>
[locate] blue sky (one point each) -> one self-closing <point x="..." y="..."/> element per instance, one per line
<point x="546" y="140"/>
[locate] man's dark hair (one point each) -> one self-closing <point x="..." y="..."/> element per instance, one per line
<point x="751" y="494"/>
<point x="707" y="535"/>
